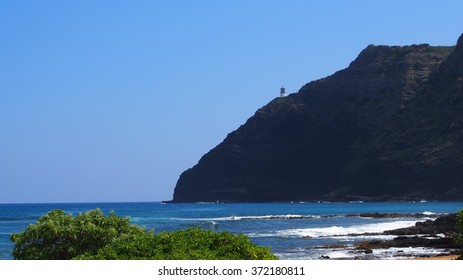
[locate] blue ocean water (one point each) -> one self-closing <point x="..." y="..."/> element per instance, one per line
<point x="290" y="230"/>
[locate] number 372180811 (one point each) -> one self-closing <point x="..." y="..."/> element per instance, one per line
<point x="277" y="270"/>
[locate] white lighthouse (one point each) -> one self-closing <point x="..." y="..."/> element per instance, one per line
<point x="282" y="91"/>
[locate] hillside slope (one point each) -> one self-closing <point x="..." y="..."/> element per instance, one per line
<point x="388" y="127"/>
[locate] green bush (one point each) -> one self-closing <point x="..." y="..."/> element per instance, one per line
<point x="92" y="235"/>
<point x="60" y="236"/>
<point x="459" y="237"/>
<point x="189" y="244"/>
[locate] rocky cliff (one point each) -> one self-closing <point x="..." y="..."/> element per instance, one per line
<point x="388" y="127"/>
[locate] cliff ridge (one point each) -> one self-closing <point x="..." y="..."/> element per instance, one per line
<point x="388" y="127"/>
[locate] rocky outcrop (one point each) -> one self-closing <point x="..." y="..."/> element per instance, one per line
<point x="405" y="242"/>
<point x="439" y="233"/>
<point x="446" y="225"/>
<point x="388" y="127"/>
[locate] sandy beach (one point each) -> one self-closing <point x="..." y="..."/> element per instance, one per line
<point x="449" y="257"/>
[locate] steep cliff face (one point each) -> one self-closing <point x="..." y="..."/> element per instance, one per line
<point x="388" y="127"/>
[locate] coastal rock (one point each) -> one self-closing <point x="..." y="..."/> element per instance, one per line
<point x="436" y="234"/>
<point x="387" y="128"/>
<point x="405" y="242"/>
<point x="446" y="225"/>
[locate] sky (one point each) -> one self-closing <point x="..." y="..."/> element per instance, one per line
<point x="110" y="101"/>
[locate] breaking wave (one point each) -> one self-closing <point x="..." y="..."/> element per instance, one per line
<point x="262" y="217"/>
<point x="337" y="231"/>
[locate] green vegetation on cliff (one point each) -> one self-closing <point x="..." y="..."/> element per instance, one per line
<point x="459" y="237"/>
<point x="92" y="235"/>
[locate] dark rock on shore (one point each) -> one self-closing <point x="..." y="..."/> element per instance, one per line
<point x="436" y="234"/>
<point x="424" y="239"/>
<point x="387" y="128"/>
<point x="403" y="241"/>
<point x="446" y="225"/>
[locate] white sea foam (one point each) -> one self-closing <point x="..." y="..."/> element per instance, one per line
<point x="339" y="231"/>
<point x="437" y="236"/>
<point x="351" y="253"/>
<point x="407" y="252"/>
<point x="362" y="237"/>
<point x="275" y="217"/>
<point x="389" y="253"/>
<point x="339" y="255"/>
<point x="262" y="217"/>
<point x="428" y="213"/>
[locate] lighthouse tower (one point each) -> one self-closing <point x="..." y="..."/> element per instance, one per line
<point x="282" y="91"/>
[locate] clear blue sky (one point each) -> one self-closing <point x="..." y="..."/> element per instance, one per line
<point x="106" y="101"/>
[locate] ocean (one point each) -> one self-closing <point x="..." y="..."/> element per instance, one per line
<point x="290" y="230"/>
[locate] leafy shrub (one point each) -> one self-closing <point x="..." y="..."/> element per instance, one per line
<point x="459" y="237"/>
<point x="188" y="244"/>
<point x="92" y="235"/>
<point x="60" y="236"/>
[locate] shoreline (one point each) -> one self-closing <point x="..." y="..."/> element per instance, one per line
<point x="434" y="235"/>
<point x="302" y="231"/>
<point x="437" y="258"/>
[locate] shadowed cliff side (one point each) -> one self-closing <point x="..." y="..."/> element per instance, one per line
<point x="388" y="127"/>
